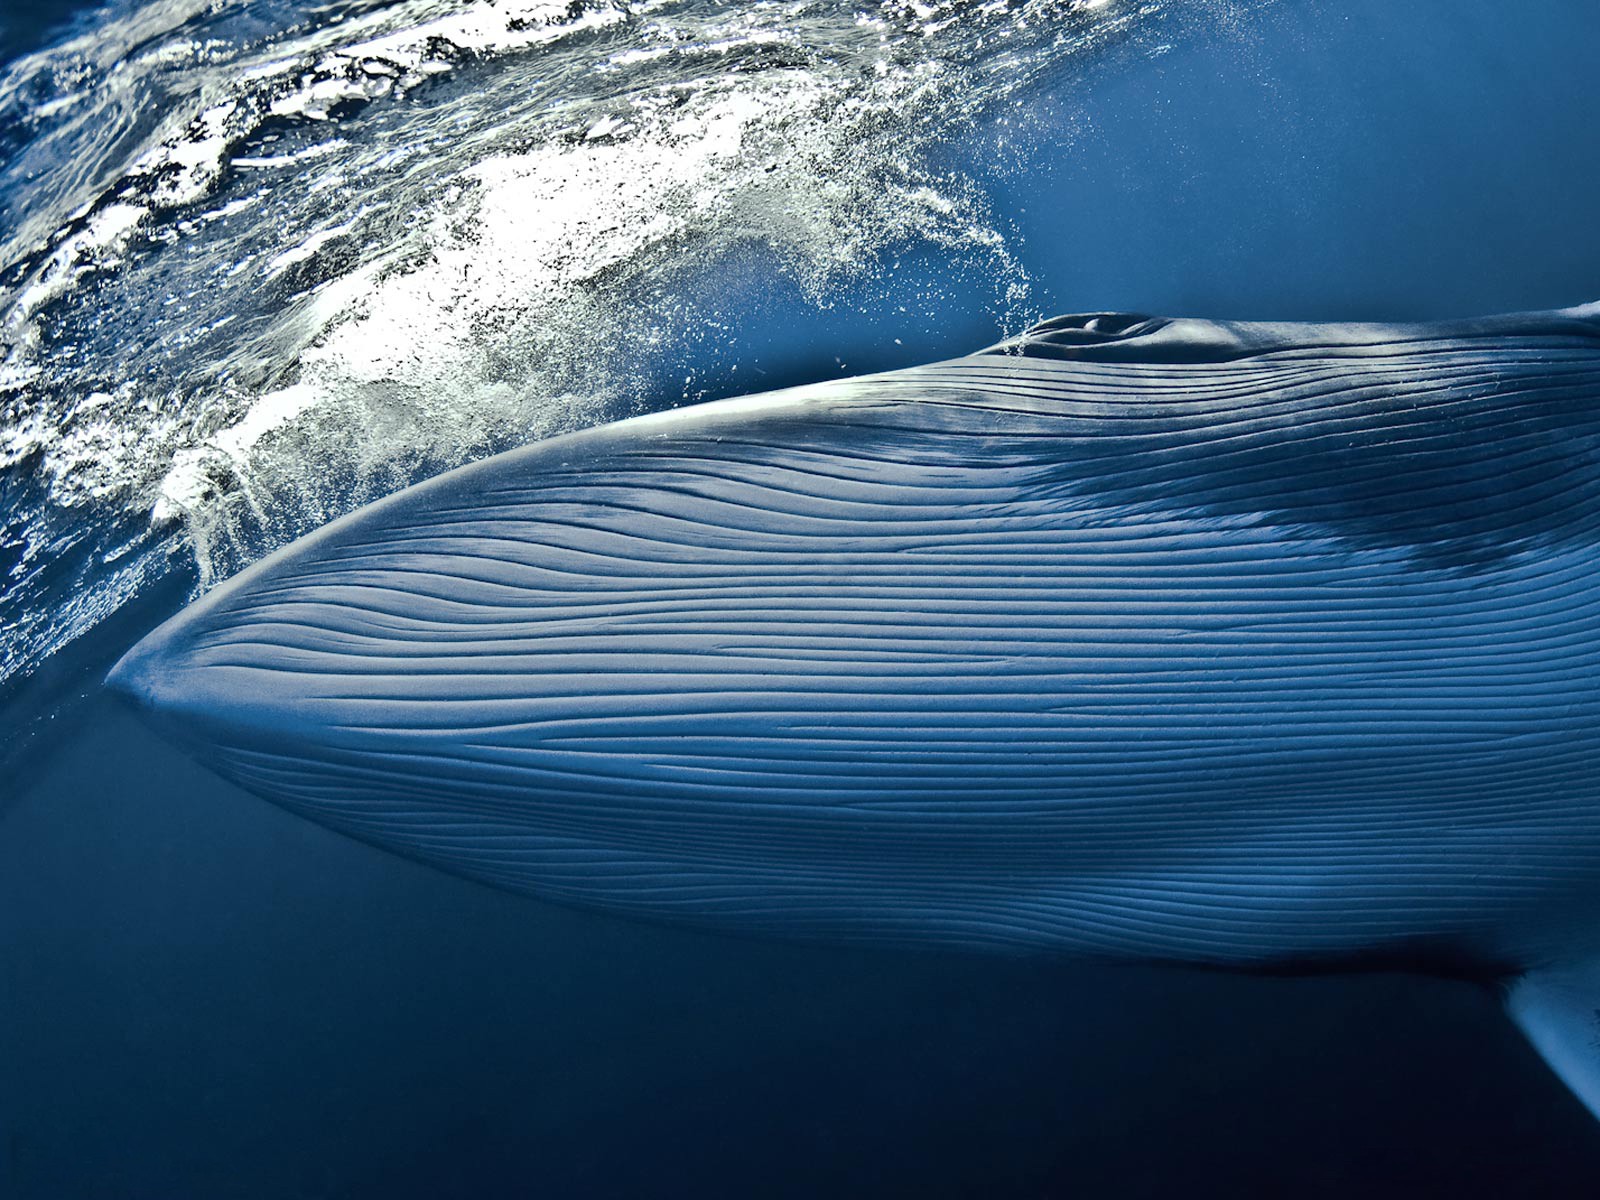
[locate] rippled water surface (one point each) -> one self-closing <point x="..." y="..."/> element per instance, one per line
<point x="264" y="260"/>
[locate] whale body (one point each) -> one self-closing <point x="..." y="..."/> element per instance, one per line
<point x="1264" y="646"/>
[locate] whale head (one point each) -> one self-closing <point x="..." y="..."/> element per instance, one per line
<point x="1245" y="644"/>
<point x="1018" y="649"/>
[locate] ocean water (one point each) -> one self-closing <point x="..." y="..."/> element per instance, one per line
<point x="263" y="261"/>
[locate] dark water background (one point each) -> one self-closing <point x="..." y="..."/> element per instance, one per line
<point x="202" y="997"/>
<point x="28" y="24"/>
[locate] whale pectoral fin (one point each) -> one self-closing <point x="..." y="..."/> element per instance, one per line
<point x="1558" y="1008"/>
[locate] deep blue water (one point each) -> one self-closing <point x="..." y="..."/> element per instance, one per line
<point x="25" y="26"/>
<point x="201" y="996"/>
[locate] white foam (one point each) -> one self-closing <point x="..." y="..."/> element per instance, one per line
<point x="305" y="154"/>
<point x="308" y="249"/>
<point x="543" y="224"/>
<point x="319" y="98"/>
<point x="192" y="153"/>
<point x="105" y="234"/>
<point x="189" y="481"/>
<point x="484" y="306"/>
<point x="485" y="28"/>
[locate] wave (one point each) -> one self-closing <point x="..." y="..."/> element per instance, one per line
<point x="265" y="261"/>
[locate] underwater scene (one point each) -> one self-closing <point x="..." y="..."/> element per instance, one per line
<point x="1120" y="719"/>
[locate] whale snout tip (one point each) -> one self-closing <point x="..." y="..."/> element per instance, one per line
<point x="165" y="688"/>
<point x="148" y="678"/>
<point x="132" y="678"/>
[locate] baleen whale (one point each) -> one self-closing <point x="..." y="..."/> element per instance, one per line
<point x="1251" y="645"/>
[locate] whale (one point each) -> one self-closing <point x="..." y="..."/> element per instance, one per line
<point x="1247" y="645"/>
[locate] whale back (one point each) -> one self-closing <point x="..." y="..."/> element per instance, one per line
<point x="1227" y="643"/>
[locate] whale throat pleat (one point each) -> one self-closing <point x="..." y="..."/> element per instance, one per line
<point x="1234" y="648"/>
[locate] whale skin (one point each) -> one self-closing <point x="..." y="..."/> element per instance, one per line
<point x="1252" y="645"/>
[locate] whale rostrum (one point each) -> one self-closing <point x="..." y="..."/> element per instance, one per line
<point x="1264" y="646"/>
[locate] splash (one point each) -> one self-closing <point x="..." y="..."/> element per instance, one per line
<point x="269" y="261"/>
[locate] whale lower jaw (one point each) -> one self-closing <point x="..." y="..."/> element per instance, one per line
<point x="1030" y="869"/>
